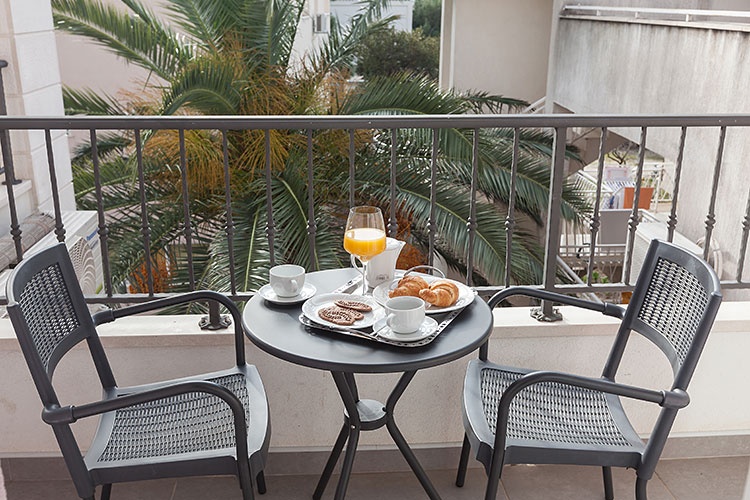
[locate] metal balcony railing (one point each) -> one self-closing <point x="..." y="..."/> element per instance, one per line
<point x="390" y="125"/>
<point x="558" y="123"/>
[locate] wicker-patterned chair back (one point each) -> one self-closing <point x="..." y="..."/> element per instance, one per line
<point x="50" y="316"/>
<point x="675" y="298"/>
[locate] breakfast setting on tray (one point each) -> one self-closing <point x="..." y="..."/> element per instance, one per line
<point x="405" y="308"/>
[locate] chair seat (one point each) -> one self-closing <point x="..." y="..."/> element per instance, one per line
<point x="158" y="438"/>
<point x="549" y="422"/>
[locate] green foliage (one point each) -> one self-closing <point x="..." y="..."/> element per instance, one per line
<point x="233" y="57"/>
<point x="390" y="52"/>
<point x="426" y="16"/>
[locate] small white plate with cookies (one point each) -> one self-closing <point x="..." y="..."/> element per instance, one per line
<point x="342" y="309"/>
<point x="440" y="294"/>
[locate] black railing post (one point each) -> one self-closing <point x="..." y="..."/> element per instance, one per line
<point x="510" y="219"/>
<point x="471" y="223"/>
<point x="432" y="224"/>
<point x="7" y="166"/>
<point x="3" y="109"/>
<point x="10" y="179"/>
<point x="214" y="320"/>
<point x="393" y="221"/>
<point x="557" y="171"/>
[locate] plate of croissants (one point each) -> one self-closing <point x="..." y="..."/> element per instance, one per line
<point x="440" y="294"/>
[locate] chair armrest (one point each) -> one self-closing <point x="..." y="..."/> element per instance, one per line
<point x="675" y="398"/>
<point x="69" y="414"/>
<point x="112" y="314"/>
<point x="606" y="309"/>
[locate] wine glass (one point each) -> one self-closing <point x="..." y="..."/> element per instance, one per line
<point x="364" y="237"/>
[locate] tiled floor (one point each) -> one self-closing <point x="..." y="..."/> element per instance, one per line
<point x="696" y="479"/>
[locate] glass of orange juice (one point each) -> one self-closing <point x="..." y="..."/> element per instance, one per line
<point x="364" y="237"/>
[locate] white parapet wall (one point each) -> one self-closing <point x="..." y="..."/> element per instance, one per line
<point x="305" y="408"/>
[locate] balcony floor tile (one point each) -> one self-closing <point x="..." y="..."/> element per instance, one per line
<point x="675" y="480"/>
<point x="569" y="482"/>
<point x="400" y="485"/>
<point x="702" y="478"/>
<point x="157" y="489"/>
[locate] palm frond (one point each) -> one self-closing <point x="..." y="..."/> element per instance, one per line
<point x="205" y="21"/>
<point x="403" y="93"/>
<point x="88" y="102"/>
<point x="107" y="144"/>
<point x="138" y="38"/>
<point x="484" y="102"/>
<point x="206" y="85"/>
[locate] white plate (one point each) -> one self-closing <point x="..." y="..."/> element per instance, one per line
<point x="311" y="307"/>
<point x="307" y="291"/>
<point x="465" y="294"/>
<point x="427" y="328"/>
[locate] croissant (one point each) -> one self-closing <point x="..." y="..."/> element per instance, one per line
<point x="409" y="286"/>
<point x="441" y="293"/>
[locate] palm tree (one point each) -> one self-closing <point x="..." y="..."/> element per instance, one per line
<point x="234" y="57"/>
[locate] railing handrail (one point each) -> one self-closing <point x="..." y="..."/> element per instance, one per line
<point x="316" y="122"/>
<point x="735" y="14"/>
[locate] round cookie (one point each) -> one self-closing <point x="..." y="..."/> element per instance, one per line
<point x="338" y="315"/>
<point x="353" y="304"/>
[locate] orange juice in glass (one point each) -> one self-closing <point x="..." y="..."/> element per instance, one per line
<point x="364" y="242"/>
<point x="364" y="236"/>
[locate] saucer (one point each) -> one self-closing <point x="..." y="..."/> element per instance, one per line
<point x="427" y="328"/>
<point x="266" y="291"/>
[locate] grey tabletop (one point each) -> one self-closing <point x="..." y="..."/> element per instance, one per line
<point x="277" y="330"/>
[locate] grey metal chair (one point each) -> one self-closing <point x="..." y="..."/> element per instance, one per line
<point x="216" y="423"/>
<point x="514" y="416"/>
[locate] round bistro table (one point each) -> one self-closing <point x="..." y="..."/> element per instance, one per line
<point x="277" y="330"/>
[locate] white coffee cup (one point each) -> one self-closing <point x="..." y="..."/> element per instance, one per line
<point x="287" y="280"/>
<point x="404" y="314"/>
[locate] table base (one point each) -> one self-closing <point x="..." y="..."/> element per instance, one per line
<point x="367" y="415"/>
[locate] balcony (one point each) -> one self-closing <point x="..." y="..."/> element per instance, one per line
<point x="138" y="346"/>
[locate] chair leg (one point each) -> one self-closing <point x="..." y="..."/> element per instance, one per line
<point x="495" y="470"/>
<point x="493" y="483"/>
<point x="463" y="462"/>
<point x="106" y="491"/>
<point x="609" y="493"/>
<point x="247" y="491"/>
<point x="640" y="489"/>
<point x="261" y="481"/>
<point x="246" y="483"/>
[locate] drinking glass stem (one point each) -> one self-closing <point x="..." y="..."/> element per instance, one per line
<point x="364" y="278"/>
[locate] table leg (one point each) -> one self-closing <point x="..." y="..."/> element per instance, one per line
<point x="332" y="459"/>
<point x="352" y="383"/>
<point x="347" y="389"/>
<point x="346" y="467"/>
<point x="398" y="438"/>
